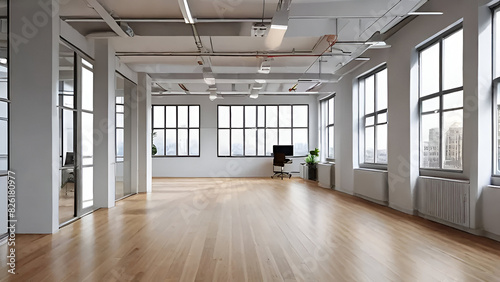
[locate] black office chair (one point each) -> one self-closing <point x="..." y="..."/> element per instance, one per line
<point x="280" y="161"/>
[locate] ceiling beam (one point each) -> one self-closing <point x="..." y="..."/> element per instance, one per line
<point x="107" y="17"/>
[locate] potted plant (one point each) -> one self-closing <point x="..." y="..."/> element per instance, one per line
<point x="155" y="150"/>
<point x="312" y="160"/>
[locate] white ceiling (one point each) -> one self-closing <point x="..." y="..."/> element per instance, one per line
<point x="164" y="46"/>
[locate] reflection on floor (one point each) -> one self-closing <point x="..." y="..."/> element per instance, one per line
<point x="66" y="202"/>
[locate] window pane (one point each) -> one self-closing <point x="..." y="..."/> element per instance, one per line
<point x="261" y="120"/>
<point x="453" y="100"/>
<point x="429" y="152"/>
<point x="88" y="187"/>
<point x="369" y="145"/>
<point x="194" y="142"/>
<point x="171" y="113"/>
<point x="224" y="117"/>
<point x="369" y="94"/>
<point x="430" y="105"/>
<point x="285" y="116"/>
<point x="331" y="111"/>
<point x="119" y="142"/>
<point x="331" y="140"/>
<point x="271" y="140"/>
<point x="237" y="117"/>
<point x="194" y="116"/>
<point x="171" y="142"/>
<point x="370" y="121"/>
<point x="3" y="88"/>
<point x="87" y="134"/>
<point x="453" y="60"/>
<point x="87" y="89"/>
<point x="67" y="133"/>
<point x="120" y="100"/>
<point x="381" y="144"/>
<point x="3" y="163"/>
<point x="224" y="142"/>
<point x="381" y="90"/>
<point x="159" y="141"/>
<point x="452" y="139"/>
<point x="272" y="117"/>
<point x="250" y="142"/>
<point x="3" y="137"/>
<point x="300" y="116"/>
<point x="3" y="109"/>
<point x="261" y="142"/>
<point x="182" y="143"/>
<point x="237" y="142"/>
<point x="285" y="137"/>
<point x="429" y="70"/>
<point x="382" y="118"/>
<point x="182" y="116"/>
<point x="300" y="142"/>
<point x="120" y="109"/>
<point x="497" y="43"/>
<point x="250" y="116"/>
<point x="158" y="116"/>
<point x="119" y="120"/>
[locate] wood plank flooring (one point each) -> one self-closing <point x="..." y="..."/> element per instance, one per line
<point x="251" y="229"/>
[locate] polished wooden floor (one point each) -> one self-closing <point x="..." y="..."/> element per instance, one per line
<point x="252" y="230"/>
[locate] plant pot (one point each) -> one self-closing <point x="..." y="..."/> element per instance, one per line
<point x="312" y="171"/>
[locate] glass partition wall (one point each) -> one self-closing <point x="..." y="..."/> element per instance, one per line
<point x="4" y="119"/>
<point x="123" y="92"/>
<point x="75" y="104"/>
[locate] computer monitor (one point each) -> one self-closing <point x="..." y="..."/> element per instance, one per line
<point x="285" y="149"/>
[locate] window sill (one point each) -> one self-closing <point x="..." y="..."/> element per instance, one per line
<point x="446" y="174"/>
<point x="371" y="169"/>
<point x="382" y="167"/>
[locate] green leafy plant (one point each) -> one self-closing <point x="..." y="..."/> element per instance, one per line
<point x="155" y="150"/>
<point x="313" y="156"/>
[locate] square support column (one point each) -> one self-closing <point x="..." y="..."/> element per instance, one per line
<point x="34" y="56"/>
<point x="144" y="132"/>
<point x="104" y="125"/>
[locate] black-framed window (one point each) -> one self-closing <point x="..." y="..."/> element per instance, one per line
<point x="176" y="130"/>
<point x="252" y="130"/>
<point x="496" y="92"/>
<point x="120" y="128"/>
<point x="4" y="110"/>
<point x="441" y="102"/>
<point x="328" y="113"/>
<point x="373" y="125"/>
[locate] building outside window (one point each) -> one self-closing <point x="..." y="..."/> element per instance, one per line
<point x="441" y="102"/>
<point x="328" y="120"/>
<point x="373" y="108"/>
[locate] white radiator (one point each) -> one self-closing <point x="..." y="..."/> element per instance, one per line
<point x="444" y="199"/>
<point x="325" y="175"/>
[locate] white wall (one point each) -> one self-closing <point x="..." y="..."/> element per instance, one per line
<point x="403" y="116"/>
<point x="208" y="164"/>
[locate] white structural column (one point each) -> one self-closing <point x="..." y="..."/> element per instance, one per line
<point x="34" y="155"/>
<point x="144" y="132"/>
<point x="104" y="125"/>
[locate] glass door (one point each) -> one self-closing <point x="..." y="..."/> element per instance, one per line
<point x="67" y="125"/>
<point x="123" y="93"/>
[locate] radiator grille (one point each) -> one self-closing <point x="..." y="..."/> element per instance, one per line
<point x="444" y="199"/>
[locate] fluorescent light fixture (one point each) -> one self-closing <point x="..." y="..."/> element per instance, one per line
<point x="261" y="81"/>
<point x="362" y="59"/>
<point x="254" y="93"/>
<point x="265" y="67"/>
<point x="3" y="61"/>
<point x="257" y="86"/>
<point x="208" y="76"/>
<point x="213" y="95"/>
<point x="186" y="12"/>
<point x="425" y="13"/>
<point x="279" y="25"/>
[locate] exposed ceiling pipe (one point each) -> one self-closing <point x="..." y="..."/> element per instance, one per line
<point x="226" y="54"/>
<point x="153" y="20"/>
